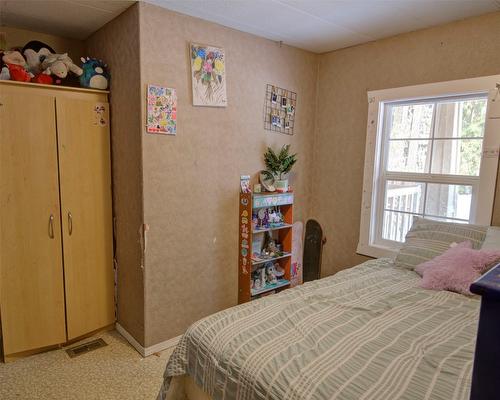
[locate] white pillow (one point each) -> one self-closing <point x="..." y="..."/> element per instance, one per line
<point x="492" y="239"/>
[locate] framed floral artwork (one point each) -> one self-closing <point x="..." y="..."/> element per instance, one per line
<point x="208" y="75"/>
<point x="161" y="110"/>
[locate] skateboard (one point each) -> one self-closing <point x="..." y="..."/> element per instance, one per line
<point x="313" y="247"/>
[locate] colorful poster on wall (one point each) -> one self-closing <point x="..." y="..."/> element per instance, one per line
<point x="161" y="110"/>
<point x="208" y="75"/>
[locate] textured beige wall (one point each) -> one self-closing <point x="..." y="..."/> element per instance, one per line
<point x="189" y="197"/>
<point x="191" y="181"/>
<point x="118" y="45"/>
<point x="19" y="37"/>
<point x="458" y="50"/>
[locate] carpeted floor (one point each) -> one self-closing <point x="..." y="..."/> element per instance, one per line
<point x="116" y="371"/>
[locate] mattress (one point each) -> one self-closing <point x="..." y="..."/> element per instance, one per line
<point x="368" y="332"/>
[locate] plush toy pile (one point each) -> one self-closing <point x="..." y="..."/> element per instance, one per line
<point x="39" y="63"/>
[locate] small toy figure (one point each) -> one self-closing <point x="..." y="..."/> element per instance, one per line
<point x="278" y="270"/>
<point x="259" y="278"/>
<point x="263" y="277"/>
<point x="265" y="220"/>
<point x="255" y="221"/>
<point x="270" y="273"/>
<point x="270" y="247"/>
<point x="263" y="216"/>
<point x="275" y="218"/>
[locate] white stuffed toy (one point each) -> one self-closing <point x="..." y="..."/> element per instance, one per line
<point x="59" y="65"/>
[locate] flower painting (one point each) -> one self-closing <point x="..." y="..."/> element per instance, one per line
<point x="208" y="66"/>
<point x="162" y="110"/>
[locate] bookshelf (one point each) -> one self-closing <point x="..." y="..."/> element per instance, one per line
<point x="265" y="244"/>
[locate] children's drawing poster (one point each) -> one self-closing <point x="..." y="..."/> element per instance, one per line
<point x="162" y="110"/>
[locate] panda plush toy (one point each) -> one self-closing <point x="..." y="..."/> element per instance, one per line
<point x="35" y="52"/>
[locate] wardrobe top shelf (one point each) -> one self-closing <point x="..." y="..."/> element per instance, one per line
<point x="53" y="87"/>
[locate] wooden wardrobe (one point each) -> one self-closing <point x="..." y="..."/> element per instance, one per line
<point x="56" y="248"/>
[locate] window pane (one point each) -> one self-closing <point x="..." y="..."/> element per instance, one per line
<point x="410" y="121"/>
<point x="404" y="196"/>
<point x="408" y="156"/>
<point x="396" y="225"/>
<point x="448" y="201"/>
<point x="473" y="117"/>
<point x="457" y="156"/>
<point x="460" y="119"/>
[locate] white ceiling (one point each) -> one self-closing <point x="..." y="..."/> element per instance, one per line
<point x="326" y="25"/>
<point x="76" y="19"/>
<point x="315" y="25"/>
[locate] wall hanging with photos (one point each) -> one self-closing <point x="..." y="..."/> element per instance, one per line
<point x="279" y="109"/>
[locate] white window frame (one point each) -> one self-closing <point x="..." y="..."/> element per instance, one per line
<point x="372" y="189"/>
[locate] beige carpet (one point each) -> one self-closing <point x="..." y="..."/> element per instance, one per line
<point x="116" y="371"/>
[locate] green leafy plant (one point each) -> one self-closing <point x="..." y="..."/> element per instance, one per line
<point x="280" y="164"/>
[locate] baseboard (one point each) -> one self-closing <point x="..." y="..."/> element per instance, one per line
<point x="147" y="351"/>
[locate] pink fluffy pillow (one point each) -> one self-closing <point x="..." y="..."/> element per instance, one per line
<point x="457" y="268"/>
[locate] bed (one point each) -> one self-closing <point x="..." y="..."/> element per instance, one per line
<point x="366" y="333"/>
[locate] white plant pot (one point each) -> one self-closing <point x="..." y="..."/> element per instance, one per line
<point x="281" y="185"/>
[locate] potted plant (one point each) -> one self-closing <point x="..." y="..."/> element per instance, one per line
<point x="278" y="166"/>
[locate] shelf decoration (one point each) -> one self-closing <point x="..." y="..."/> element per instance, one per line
<point x="279" y="109"/>
<point x="273" y="199"/>
<point x="278" y="166"/>
<point x="296" y="275"/>
<point x="245" y="183"/>
<point x="244" y="253"/>
<point x="208" y="75"/>
<point x="101" y="114"/>
<point x="161" y="110"/>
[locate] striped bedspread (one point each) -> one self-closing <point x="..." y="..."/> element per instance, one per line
<point x="366" y="333"/>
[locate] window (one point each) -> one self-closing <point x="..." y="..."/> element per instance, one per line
<point x="431" y="152"/>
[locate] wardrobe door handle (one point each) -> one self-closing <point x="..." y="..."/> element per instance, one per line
<point x="51" y="226"/>
<point x="70" y="223"/>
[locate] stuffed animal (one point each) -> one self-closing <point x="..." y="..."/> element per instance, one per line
<point x="18" y="69"/>
<point x="95" y="74"/>
<point x="270" y="273"/>
<point x="59" y="65"/>
<point x="18" y="73"/>
<point x="14" y="57"/>
<point x="4" y="73"/>
<point x="43" y="79"/>
<point x="256" y="282"/>
<point x="35" y="52"/>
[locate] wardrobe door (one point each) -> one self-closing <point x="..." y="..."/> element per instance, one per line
<point x="31" y="290"/>
<point x="85" y="174"/>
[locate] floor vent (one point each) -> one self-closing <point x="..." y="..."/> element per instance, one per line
<point x="86" y="347"/>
